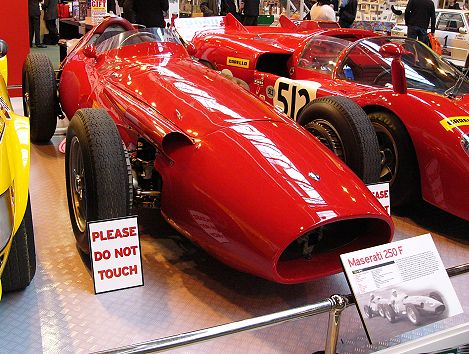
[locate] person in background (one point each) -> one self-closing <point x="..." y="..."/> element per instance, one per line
<point x="322" y="11"/>
<point x="146" y="12"/>
<point x="34" y="27"/>
<point x="229" y="7"/>
<point x="418" y="15"/>
<point x="209" y="8"/>
<point x="347" y="13"/>
<point x="397" y="300"/>
<point x="453" y="5"/>
<point x="50" y="17"/>
<point x="128" y="11"/>
<point x="251" y="12"/>
<point x="309" y="4"/>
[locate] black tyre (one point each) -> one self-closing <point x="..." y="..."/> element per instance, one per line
<point x="413" y="314"/>
<point x="343" y="126"/>
<point x="39" y="96"/>
<point x="399" y="164"/>
<point x="381" y="310"/>
<point x="21" y="264"/>
<point x="368" y="311"/>
<point x="98" y="174"/>
<point x="389" y="313"/>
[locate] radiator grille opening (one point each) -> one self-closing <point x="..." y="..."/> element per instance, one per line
<point x="315" y="253"/>
<point x="323" y="239"/>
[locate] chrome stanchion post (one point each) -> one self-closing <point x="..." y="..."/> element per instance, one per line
<point x="339" y="303"/>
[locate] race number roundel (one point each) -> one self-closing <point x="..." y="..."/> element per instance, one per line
<point x="292" y="95"/>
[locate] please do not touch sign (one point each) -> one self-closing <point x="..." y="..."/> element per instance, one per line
<point x="115" y="254"/>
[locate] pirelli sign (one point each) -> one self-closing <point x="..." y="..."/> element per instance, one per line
<point x="451" y="122"/>
<point x="241" y="63"/>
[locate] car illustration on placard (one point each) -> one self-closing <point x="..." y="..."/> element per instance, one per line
<point x="414" y="307"/>
<point x="151" y="127"/>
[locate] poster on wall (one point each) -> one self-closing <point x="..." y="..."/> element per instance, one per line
<point x="98" y="11"/>
<point x="400" y="286"/>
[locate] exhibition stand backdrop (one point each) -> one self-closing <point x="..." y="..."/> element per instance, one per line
<point x="14" y="29"/>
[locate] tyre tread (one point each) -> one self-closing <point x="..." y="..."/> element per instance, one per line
<point x="111" y="176"/>
<point x="43" y="94"/>
<point x="368" y="167"/>
<point x="21" y="263"/>
<point x="406" y="187"/>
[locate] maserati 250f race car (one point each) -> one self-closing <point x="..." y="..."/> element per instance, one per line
<point x="17" y="254"/>
<point x="416" y="308"/>
<point x="418" y="104"/>
<point x="245" y="183"/>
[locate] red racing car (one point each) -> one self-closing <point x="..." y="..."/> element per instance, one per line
<point x="417" y="103"/>
<point x="151" y="127"/>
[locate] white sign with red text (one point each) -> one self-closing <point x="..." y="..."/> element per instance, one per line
<point x="400" y="285"/>
<point x="115" y="254"/>
<point x="98" y="11"/>
<point x="381" y="192"/>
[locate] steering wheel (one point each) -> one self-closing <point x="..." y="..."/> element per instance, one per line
<point x="380" y="75"/>
<point x="138" y="34"/>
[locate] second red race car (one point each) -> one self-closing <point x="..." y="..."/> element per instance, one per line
<point x="418" y="104"/>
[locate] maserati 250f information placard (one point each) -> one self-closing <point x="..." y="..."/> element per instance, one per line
<point x="400" y="286"/>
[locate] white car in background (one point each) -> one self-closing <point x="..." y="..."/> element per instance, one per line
<point x="451" y="30"/>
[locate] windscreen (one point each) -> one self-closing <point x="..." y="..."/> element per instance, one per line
<point x="321" y="53"/>
<point x="144" y="35"/>
<point x="423" y="68"/>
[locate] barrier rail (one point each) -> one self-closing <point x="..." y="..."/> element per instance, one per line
<point x="334" y="305"/>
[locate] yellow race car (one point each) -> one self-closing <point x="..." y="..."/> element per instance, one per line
<point x="17" y="253"/>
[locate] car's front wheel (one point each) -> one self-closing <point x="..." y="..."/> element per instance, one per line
<point x="413" y="314"/>
<point x="389" y="313"/>
<point x="98" y="174"/>
<point x="21" y="263"/>
<point x="343" y="127"/>
<point x="40" y="96"/>
<point x="381" y="310"/>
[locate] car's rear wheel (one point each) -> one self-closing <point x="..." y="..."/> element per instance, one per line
<point x="21" y="264"/>
<point x="368" y="312"/>
<point x="98" y="174"/>
<point x="399" y="164"/>
<point x="413" y="314"/>
<point x="39" y="96"/>
<point x="342" y="126"/>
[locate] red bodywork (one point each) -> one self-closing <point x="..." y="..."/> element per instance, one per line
<point x="442" y="162"/>
<point x="238" y="179"/>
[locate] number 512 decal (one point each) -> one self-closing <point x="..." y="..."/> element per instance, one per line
<point x="293" y="95"/>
